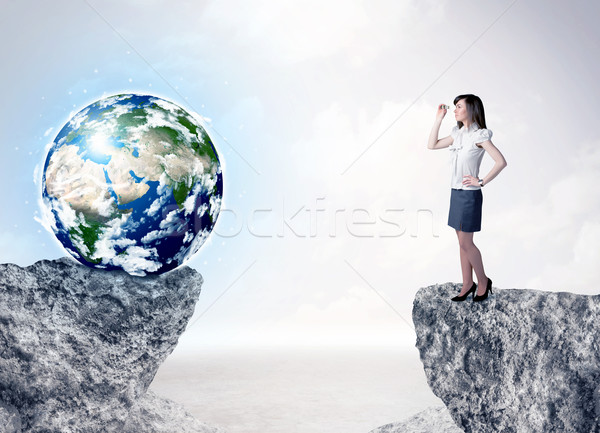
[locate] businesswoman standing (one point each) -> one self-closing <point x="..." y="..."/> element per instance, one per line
<point x="468" y="142"/>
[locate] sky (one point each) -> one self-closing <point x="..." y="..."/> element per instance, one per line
<point x="334" y="211"/>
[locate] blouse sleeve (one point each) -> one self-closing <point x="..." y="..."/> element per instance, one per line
<point x="454" y="132"/>
<point x="482" y="135"/>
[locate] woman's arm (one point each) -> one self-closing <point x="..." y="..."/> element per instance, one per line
<point x="441" y="143"/>
<point x="433" y="142"/>
<point x="500" y="162"/>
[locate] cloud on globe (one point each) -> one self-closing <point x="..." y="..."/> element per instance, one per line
<point x="132" y="182"/>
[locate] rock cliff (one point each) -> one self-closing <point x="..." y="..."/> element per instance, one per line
<point x="79" y="347"/>
<point x="522" y="361"/>
<point x="431" y="420"/>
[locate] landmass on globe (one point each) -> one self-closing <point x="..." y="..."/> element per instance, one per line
<point x="132" y="182"/>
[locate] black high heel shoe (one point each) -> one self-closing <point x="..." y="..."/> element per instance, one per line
<point x="477" y="298"/>
<point x="463" y="297"/>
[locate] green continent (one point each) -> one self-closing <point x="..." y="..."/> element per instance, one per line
<point x="181" y="191"/>
<point x="189" y="125"/>
<point x="135" y="117"/>
<point x="88" y="234"/>
<point x="204" y="148"/>
<point x="171" y="134"/>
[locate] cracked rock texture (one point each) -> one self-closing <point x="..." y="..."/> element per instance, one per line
<point x="431" y="420"/>
<point x="523" y="361"/>
<point x="80" y="346"/>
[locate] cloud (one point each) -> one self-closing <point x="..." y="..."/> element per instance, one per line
<point x="357" y="317"/>
<point x="184" y="252"/>
<point x="190" y="202"/>
<point x="349" y="156"/>
<point x="174" y="222"/>
<point x="156" y="206"/>
<point x="579" y="274"/>
<point x="556" y="233"/>
<point x="136" y="261"/>
<point x="78" y="119"/>
<point x="289" y="31"/>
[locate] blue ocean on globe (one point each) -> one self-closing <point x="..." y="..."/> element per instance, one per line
<point x="132" y="182"/>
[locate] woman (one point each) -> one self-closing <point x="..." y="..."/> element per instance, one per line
<point x="468" y="141"/>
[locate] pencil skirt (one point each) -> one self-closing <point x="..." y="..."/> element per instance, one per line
<point x="465" y="209"/>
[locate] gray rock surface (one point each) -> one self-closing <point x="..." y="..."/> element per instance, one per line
<point x="521" y="361"/>
<point x="10" y="420"/>
<point x="79" y="347"/>
<point x="154" y="414"/>
<point x="431" y="420"/>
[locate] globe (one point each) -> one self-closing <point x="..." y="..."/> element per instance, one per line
<point x="132" y="182"/>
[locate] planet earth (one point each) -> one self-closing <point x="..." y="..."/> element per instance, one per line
<point x="132" y="182"/>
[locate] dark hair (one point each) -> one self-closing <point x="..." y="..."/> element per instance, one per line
<point x="474" y="108"/>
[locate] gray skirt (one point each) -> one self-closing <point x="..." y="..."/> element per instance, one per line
<point x="465" y="209"/>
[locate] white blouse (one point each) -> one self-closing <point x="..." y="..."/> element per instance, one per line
<point x="465" y="155"/>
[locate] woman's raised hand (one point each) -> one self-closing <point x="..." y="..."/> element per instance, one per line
<point x="441" y="112"/>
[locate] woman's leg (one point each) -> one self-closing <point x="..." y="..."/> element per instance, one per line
<point x="468" y="248"/>
<point x="466" y="268"/>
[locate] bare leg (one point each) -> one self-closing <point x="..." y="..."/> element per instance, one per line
<point x="465" y="239"/>
<point x="467" y="270"/>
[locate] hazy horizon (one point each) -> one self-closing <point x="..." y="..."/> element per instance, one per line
<point x="283" y="389"/>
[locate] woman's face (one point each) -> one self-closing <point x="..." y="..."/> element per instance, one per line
<point x="460" y="112"/>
